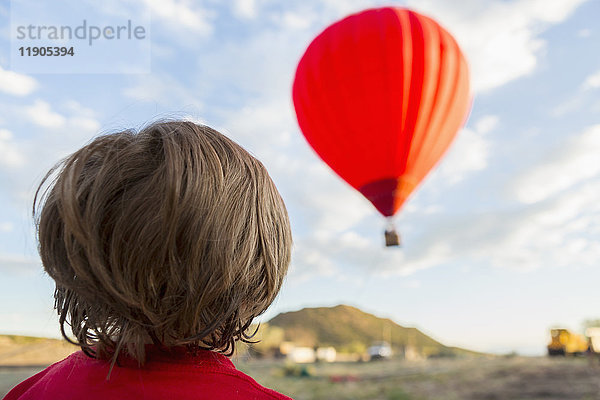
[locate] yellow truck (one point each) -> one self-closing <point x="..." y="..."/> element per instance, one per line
<point x="564" y="342"/>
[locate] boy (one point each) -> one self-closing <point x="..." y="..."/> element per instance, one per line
<point x="164" y="245"/>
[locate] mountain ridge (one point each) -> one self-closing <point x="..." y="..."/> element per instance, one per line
<point x="350" y="329"/>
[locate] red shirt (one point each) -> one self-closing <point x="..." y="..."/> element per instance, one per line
<point x="208" y="375"/>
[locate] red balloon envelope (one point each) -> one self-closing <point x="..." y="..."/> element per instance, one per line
<point x="380" y="96"/>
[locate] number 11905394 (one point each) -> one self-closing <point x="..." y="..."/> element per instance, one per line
<point x="48" y="51"/>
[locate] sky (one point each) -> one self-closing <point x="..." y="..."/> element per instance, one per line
<point x="500" y="242"/>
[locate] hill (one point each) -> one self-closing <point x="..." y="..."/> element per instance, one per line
<point x="346" y="328"/>
<point x="349" y="329"/>
<point x="28" y="350"/>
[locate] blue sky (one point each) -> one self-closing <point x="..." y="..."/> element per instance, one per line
<point x="501" y="241"/>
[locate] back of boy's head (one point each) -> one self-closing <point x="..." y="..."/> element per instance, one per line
<point x="174" y="235"/>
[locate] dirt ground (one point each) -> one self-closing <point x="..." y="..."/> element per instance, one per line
<point x="9" y="377"/>
<point x="503" y="378"/>
<point x="481" y="378"/>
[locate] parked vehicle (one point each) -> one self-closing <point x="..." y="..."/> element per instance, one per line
<point x="379" y="350"/>
<point x="564" y="342"/>
<point x="593" y="334"/>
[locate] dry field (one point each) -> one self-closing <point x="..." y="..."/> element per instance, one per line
<point x="478" y="378"/>
<point x="465" y="379"/>
<point x="28" y="351"/>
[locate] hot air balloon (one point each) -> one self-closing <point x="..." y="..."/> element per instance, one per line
<point x="379" y="96"/>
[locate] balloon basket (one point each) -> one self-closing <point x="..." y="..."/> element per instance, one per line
<point x="392" y="238"/>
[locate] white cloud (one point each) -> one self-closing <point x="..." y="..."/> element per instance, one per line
<point x="342" y="254"/>
<point x="556" y="223"/>
<point x="29" y="153"/>
<point x="469" y="153"/>
<point x="163" y="89"/>
<point x="181" y="14"/>
<point x="84" y="123"/>
<point x="560" y="233"/>
<point x="567" y="106"/>
<point x="41" y="114"/>
<point x="77" y="108"/>
<point x="584" y="33"/>
<point x="327" y="203"/>
<point x="570" y="163"/>
<point x="592" y="81"/>
<point x="325" y="253"/>
<point x="343" y="7"/>
<point x="10" y="154"/>
<point x="560" y="228"/>
<point x="16" y="84"/>
<point x="486" y="124"/>
<point x="260" y="66"/>
<point x="291" y="20"/>
<point x="81" y="118"/>
<point x="501" y="39"/>
<point x="245" y="8"/>
<point x="261" y="126"/>
<point x="554" y="233"/>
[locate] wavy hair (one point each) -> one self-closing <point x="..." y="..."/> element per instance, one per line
<point x="174" y="235"/>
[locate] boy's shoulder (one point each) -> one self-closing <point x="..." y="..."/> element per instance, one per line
<point x="206" y="375"/>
